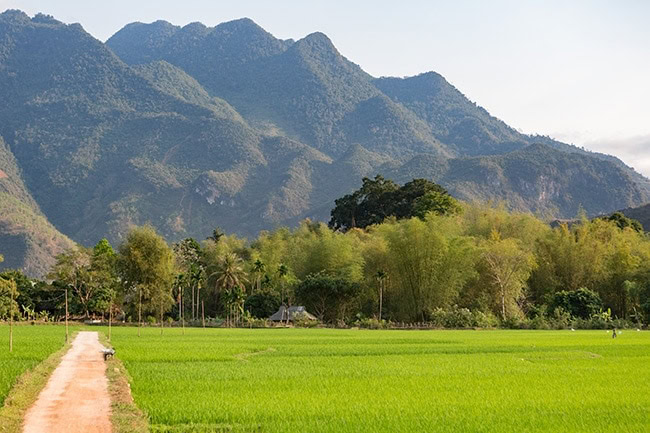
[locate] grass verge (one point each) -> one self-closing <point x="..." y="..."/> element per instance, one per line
<point x="26" y="390"/>
<point x="125" y="415"/>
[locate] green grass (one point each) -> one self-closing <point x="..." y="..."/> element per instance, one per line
<point x="305" y="380"/>
<point x="37" y="352"/>
<point x="32" y="345"/>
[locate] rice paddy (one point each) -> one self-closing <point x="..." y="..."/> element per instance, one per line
<point x="32" y="344"/>
<point x="322" y="380"/>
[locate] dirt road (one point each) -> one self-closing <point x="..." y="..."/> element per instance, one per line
<point x="75" y="398"/>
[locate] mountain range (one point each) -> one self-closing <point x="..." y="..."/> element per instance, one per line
<point x="194" y="127"/>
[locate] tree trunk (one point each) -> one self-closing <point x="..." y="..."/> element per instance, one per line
<point x="11" y="322"/>
<point x="161" y="319"/>
<point x="203" y="312"/>
<point x="110" y="319"/>
<point x="66" y="315"/>
<point x="193" y="304"/>
<point x="381" y="298"/>
<point x="503" y="304"/>
<point x="182" y="313"/>
<point x="140" y="312"/>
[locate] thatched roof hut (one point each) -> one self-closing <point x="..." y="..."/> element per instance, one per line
<point x="293" y="313"/>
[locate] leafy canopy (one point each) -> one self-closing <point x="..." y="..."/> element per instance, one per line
<point x="380" y="198"/>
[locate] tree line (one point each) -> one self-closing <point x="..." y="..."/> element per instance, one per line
<point x="390" y="254"/>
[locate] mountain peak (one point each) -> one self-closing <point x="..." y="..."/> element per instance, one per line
<point x="15" y="15"/>
<point x="317" y="46"/>
<point x="239" y="24"/>
<point x="317" y="39"/>
<point x="430" y="77"/>
<point x="195" y="28"/>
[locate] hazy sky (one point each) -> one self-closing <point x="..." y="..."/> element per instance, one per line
<point x="577" y="70"/>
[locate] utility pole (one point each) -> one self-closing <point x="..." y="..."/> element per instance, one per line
<point x="110" y="319"/>
<point x="182" y="311"/>
<point x="11" y="320"/>
<point x="140" y="313"/>
<point x="66" y="314"/>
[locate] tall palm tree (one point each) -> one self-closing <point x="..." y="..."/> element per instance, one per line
<point x="258" y="269"/>
<point x="229" y="274"/>
<point x="283" y="271"/>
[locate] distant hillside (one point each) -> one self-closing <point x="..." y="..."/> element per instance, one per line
<point x="641" y="214"/>
<point x="193" y="127"/>
<point x="27" y="240"/>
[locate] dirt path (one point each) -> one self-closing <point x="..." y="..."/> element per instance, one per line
<point x="75" y="398"/>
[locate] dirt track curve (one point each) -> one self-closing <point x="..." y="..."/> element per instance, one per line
<point x="76" y="398"/>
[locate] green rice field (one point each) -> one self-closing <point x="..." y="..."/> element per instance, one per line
<point x="313" y="380"/>
<point x="32" y="344"/>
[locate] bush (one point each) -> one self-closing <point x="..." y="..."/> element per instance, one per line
<point x="262" y="304"/>
<point x="515" y="322"/>
<point x="371" y="323"/>
<point x="539" y="322"/>
<point x="601" y="320"/>
<point x="253" y="322"/>
<point x="581" y="303"/>
<point x="536" y="311"/>
<point x="485" y="320"/>
<point x="438" y="317"/>
<point x="302" y="321"/>
<point x="561" y="319"/>
<point x="461" y="318"/>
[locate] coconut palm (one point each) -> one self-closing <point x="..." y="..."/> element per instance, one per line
<point x="258" y="269"/>
<point x="229" y="274"/>
<point x="283" y="271"/>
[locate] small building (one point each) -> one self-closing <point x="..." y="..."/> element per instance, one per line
<point x="292" y="313"/>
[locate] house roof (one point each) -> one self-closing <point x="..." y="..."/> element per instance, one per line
<point x="281" y="314"/>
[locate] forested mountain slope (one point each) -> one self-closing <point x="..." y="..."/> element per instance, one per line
<point x="27" y="240"/>
<point x="189" y="128"/>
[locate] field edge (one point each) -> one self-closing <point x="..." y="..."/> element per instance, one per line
<point x="26" y="389"/>
<point x="126" y="416"/>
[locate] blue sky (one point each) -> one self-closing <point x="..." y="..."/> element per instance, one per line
<point x="576" y="70"/>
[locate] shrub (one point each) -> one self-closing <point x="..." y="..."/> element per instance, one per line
<point x="561" y="319"/>
<point x="302" y="321"/>
<point x="371" y="323"/>
<point x="459" y="318"/>
<point x="539" y="322"/>
<point x="485" y="320"/>
<point x="262" y="304"/>
<point x="438" y="317"/>
<point x="515" y="322"/>
<point x="253" y="322"/>
<point x="582" y="303"/>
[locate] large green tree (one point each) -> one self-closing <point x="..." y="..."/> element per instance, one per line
<point x="73" y="270"/>
<point x="507" y="266"/>
<point x="327" y="296"/>
<point x="146" y="266"/>
<point x="229" y="279"/>
<point x="380" y="198"/>
<point x="429" y="263"/>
